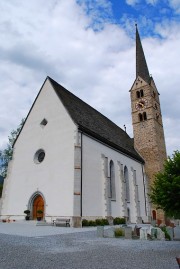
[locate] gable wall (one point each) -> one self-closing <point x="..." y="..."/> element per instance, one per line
<point x="54" y="176"/>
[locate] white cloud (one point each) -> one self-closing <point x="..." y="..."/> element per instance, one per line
<point x="175" y="4"/>
<point x="152" y="2"/>
<point x="97" y="66"/>
<point x="132" y="2"/>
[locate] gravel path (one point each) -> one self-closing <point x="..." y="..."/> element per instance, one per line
<point x="83" y="250"/>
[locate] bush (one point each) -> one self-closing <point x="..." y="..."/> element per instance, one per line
<point x="118" y="232"/>
<point x="167" y="236"/>
<point x="85" y="222"/>
<point x="119" y="220"/>
<point x="92" y="223"/>
<point x="97" y="222"/>
<point x="105" y="222"/>
<point x="101" y="222"/>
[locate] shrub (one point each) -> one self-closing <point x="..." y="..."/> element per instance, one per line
<point x="118" y="232"/>
<point x="92" y="223"/>
<point x="167" y="236"/>
<point x="85" y="222"/>
<point x="97" y="222"/>
<point x="119" y="220"/>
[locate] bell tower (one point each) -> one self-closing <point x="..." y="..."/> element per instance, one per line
<point x="147" y="120"/>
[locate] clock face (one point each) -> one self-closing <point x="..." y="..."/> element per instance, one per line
<point x="142" y="104"/>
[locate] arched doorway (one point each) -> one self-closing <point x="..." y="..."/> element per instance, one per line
<point x="38" y="204"/>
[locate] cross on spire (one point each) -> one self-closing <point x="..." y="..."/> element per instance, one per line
<point x="141" y="65"/>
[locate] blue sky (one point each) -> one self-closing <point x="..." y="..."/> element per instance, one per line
<point x="89" y="48"/>
<point x="147" y="13"/>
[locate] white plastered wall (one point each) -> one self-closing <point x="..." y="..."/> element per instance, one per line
<point x="94" y="203"/>
<point x="54" y="176"/>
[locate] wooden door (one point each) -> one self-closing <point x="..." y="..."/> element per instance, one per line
<point x="38" y="205"/>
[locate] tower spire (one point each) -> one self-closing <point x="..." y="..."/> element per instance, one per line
<point x="141" y="65"/>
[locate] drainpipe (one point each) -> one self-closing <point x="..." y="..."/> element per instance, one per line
<point x="144" y="190"/>
<point x="81" y="169"/>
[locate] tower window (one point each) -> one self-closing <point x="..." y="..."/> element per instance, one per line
<point x="138" y="94"/>
<point x="155" y="106"/>
<point x="144" y="116"/>
<point x="141" y="93"/>
<point x="140" y="117"/>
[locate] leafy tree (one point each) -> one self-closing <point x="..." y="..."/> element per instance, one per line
<point x="165" y="192"/>
<point x="7" y="153"/>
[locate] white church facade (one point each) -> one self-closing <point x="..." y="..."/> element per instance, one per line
<point x="74" y="162"/>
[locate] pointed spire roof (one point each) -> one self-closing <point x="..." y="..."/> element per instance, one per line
<point x="141" y="65"/>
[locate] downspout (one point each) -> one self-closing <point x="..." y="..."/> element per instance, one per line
<point x="81" y="170"/>
<point x="144" y="190"/>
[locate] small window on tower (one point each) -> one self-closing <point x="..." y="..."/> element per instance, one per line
<point x="138" y="94"/>
<point x="144" y="116"/>
<point x="140" y="117"/>
<point x="155" y="106"/>
<point x="43" y="122"/>
<point x="141" y="93"/>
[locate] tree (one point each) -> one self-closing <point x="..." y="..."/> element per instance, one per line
<point x="165" y="192"/>
<point x="7" y="153"/>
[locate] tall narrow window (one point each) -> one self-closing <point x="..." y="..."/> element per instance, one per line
<point x="138" y="94"/>
<point x="144" y="116"/>
<point x="126" y="179"/>
<point x="140" y="117"/>
<point x="141" y="93"/>
<point x="112" y="181"/>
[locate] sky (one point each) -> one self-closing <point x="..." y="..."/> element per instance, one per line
<point x="88" y="46"/>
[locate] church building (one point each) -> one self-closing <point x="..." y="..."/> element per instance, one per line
<point x="71" y="161"/>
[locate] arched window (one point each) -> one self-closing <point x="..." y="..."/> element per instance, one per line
<point x="144" y="116"/>
<point x="112" y="181"/>
<point x="141" y="93"/>
<point x="126" y="179"/>
<point x="138" y="94"/>
<point x="140" y="117"/>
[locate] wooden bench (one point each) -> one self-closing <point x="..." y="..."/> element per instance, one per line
<point x="60" y="221"/>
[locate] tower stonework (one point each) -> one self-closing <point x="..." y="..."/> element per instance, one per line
<point x="147" y="123"/>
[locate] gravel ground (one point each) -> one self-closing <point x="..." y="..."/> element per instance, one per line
<point x="84" y="250"/>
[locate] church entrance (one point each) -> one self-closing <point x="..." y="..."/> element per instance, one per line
<point x="38" y="207"/>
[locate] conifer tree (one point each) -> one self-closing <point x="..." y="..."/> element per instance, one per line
<point x="7" y="153"/>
